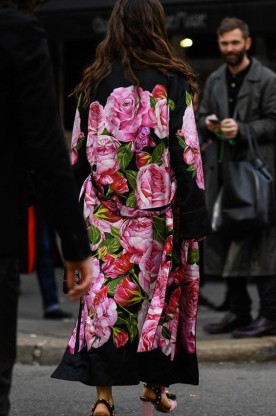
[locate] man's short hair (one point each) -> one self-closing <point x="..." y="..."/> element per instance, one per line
<point x="231" y="23"/>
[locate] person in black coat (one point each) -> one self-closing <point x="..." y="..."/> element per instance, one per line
<point x="31" y="140"/>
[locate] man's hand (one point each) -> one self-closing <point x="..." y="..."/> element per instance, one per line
<point x="230" y="128"/>
<point x="84" y="267"/>
<point x="211" y="125"/>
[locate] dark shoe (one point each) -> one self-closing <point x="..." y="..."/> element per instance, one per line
<point x="228" y="323"/>
<point x="109" y="408"/>
<point x="57" y="314"/>
<point x="258" y="328"/>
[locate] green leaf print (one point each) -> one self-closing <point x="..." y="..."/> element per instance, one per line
<point x="79" y="144"/>
<point x="112" y="286"/>
<point x="94" y="235"/>
<point x="132" y="178"/>
<point x="112" y="245"/>
<point x="124" y="155"/>
<point x="131" y="201"/>
<point x="132" y="327"/>
<point x="171" y="105"/>
<point x="159" y="229"/>
<point x="188" y="98"/>
<point x="191" y="168"/>
<point x="157" y="153"/>
<point x="166" y="333"/>
<point x="105" y="132"/>
<point x="193" y="256"/>
<point x="115" y="231"/>
<point x="153" y="101"/>
<point x="181" y="141"/>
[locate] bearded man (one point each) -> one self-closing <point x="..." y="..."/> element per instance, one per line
<point x="240" y="94"/>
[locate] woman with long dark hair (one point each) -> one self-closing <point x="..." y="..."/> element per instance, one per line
<point x="136" y="157"/>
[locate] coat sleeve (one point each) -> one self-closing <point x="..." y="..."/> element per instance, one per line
<point x="264" y="128"/>
<point x="38" y="124"/>
<point x="187" y="165"/>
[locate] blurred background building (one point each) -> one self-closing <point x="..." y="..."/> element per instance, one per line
<point x="75" y="27"/>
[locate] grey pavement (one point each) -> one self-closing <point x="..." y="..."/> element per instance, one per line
<point x="44" y="341"/>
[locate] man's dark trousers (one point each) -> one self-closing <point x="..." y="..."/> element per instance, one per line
<point x="8" y="300"/>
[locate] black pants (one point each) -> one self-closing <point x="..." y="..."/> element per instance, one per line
<point x="8" y="318"/>
<point x="240" y="301"/>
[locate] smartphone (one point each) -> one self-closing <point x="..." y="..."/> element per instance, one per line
<point x="215" y="120"/>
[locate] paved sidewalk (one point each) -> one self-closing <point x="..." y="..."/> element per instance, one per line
<point x="43" y="341"/>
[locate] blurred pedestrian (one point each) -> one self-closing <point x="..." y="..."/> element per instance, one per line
<point x="31" y="139"/>
<point x="47" y="257"/>
<point x="241" y="93"/>
<point x="138" y="320"/>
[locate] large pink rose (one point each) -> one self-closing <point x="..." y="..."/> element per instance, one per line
<point x="153" y="187"/>
<point x="135" y="237"/>
<point x="199" y="171"/>
<point x="116" y="266"/>
<point x="147" y="338"/>
<point x="95" y="121"/>
<point x="160" y="118"/>
<point x="127" y="292"/>
<point x="188" y="306"/>
<point x="150" y="262"/>
<point x="105" y="154"/>
<point x="124" y="111"/>
<point x="104" y="316"/>
<point x="142" y="139"/>
<point x="189" y="128"/>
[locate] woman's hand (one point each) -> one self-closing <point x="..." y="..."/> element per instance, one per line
<point x="84" y="267"/>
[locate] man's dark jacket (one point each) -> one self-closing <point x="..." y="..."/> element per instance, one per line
<point x="31" y="138"/>
<point x="252" y="254"/>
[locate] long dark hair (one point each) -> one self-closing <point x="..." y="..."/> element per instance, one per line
<point x="137" y="35"/>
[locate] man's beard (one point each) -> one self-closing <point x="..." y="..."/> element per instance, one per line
<point x="234" y="59"/>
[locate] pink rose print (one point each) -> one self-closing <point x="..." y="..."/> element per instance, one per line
<point x="116" y="266"/>
<point x="120" y="337"/>
<point x="148" y="334"/>
<point x="95" y="121"/>
<point x="135" y="237"/>
<point x="142" y="139"/>
<point x="127" y="292"/>
<point x="153" y="187"/>
<point x="104" y="316"/>
<point x="150" y="262"/>
<point x="76" y="136"/>
<point x="106" y="159"/>
<point x="189" y="313"/>
<point x="191" y="154"/>
<point x="159" y="92"/>
<point x="160" y="118"/>
<point x="119" y="184"/>
<point x="124" y="112"/>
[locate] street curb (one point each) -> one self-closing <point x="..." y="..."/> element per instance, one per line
<point x="44" y="350"/>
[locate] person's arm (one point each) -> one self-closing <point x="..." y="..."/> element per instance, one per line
<point x="187" y="165"/>
<point x="42" y="140"/>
